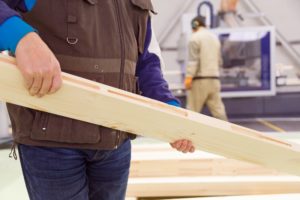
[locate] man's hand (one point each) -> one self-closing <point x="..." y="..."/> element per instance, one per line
<point x="184" y="146"/>
<point x="38" y="65"/>
<point x="188" y="82"/>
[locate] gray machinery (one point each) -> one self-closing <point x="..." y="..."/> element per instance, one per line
<point x="229" y="19"/>
<point x="241" y="57"/>
<point x="237" y="55"/>
<point x="212" y="20"/>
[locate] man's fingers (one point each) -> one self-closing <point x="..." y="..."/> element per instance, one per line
<point x="28" y="80"/>
<point x="46" y="86"/>
<point x="28" y="77"/>
<point x="184" y="146"/>
<point x="177" y="144"/>
<point x="192" y="150"/>
<point x="188" y="148"/>
<point x="172" y="145"/>
<point x="56" y="83"/>
<point x="36" y="86"/>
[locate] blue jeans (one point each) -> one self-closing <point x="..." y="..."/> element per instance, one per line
<point x="75" y="174"/>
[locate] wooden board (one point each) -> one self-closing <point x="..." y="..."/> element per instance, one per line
<point x="252" y="197"/>
<point x="146" y="158"/>
<point x="157" y="171"/>
<point x="212" y="186"/>
<point x="100" y="104"/>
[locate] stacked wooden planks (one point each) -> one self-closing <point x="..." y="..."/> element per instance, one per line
<point x="252" y="197"/>
<point x="159" y="171"/>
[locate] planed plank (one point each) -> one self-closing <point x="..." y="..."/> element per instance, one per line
<point x="157" y="171"/>
<point x="100" y="104"/>
<point x="212" y="186"/>
<point x="251" y="197"/>
<point x="146" y="158"/>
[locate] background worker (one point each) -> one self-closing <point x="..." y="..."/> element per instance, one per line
<point x="105" y="41"/>
<point x="202" y="76"/>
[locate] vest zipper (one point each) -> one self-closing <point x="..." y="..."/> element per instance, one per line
<point x="122" y="70"/>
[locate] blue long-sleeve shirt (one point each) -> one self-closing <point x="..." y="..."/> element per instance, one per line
<point x="12" y="27"/>
<point x="151" y="81"/>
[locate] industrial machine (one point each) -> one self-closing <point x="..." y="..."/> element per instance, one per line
<point x="253" y="83"/>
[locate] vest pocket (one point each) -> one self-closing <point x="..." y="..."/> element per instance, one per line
<point x="21" y="119"/>
<point x="49" y="127"/>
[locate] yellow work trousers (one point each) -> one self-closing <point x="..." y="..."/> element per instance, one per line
<point x="206" y="92"/>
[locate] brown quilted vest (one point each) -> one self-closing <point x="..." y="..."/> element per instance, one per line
<point x="96" y="39"/>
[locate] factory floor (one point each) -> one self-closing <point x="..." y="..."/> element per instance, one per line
<point x="12" y="186"/>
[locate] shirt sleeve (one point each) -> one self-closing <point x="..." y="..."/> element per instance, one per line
<point x="149" y="71"/>
<point x="7" y="11"/>
<point x="194" y="58"/>
<point x="220" y="59"/>
<point x="12" y="27"/>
